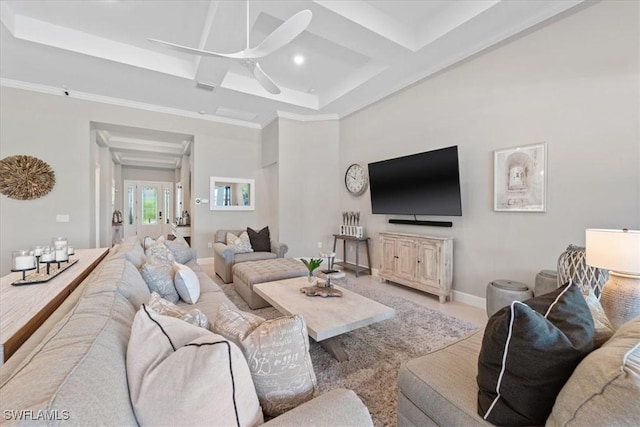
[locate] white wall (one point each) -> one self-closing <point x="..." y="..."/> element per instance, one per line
<point x="56" y="129"/>
<point x="573" y="84"/>
<point x="132" y="173"/>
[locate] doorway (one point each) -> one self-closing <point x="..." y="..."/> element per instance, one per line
<point x="147" y="208"/>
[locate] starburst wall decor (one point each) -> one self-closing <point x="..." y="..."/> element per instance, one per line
<point x="25" y="177"/>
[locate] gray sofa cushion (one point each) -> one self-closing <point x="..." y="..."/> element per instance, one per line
<point x="447" y="394"/>
<point x="83" y="357"/>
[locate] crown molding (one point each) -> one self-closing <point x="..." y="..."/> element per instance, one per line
<point x="307" y="118"/>
<point x="17" y="84"/>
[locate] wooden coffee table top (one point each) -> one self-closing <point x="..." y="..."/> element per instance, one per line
<point x="324" y="317"/>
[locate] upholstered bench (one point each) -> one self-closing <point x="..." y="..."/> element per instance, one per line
<point x="247" y="274"/>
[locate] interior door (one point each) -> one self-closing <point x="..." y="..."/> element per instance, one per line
<point x="147" y="208"/>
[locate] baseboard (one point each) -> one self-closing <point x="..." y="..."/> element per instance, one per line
<point x="469" y="299"/>
<point x="203" y="261"/>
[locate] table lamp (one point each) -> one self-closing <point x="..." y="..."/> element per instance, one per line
<point x="619" y="252"/>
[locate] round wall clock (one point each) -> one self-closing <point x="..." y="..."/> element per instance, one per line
<point x="356" y="179"/>
<point x="25" y="177"/>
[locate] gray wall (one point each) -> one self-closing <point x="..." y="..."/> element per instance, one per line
<point x="56" y="129"/>
<point x="573" y="84"/>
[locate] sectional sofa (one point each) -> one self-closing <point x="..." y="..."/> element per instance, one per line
<point x="72" y="371"/>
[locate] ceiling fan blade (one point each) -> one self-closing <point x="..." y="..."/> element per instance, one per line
<point x="194" y="51"/>
<point x="265" y="80"/>
<point x="282" y="35"/>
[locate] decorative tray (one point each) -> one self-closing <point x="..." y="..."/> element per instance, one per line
<point x="42" y="276"/>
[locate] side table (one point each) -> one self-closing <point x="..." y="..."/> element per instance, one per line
<point x="356" y="267"/>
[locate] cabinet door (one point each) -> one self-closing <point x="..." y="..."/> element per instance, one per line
<point x="406" y="258"/>
<point x="429" y="263"/>
<point x="387" y="260"/>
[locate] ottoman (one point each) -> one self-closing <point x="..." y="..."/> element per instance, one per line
<point x="247" y="274"/>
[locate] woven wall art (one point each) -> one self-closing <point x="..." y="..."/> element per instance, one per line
<point x="25" y="177"/>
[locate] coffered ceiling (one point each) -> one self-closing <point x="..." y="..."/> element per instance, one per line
<point x="356" y="51"/>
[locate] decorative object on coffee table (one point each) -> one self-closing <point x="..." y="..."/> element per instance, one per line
<point x="25" y="177"/>
<point x="619" y="252"/>
<point x="321" y="291"/>
<point x="311" y="265"/>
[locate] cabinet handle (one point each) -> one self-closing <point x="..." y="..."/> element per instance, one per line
<point x="418" y="261"/>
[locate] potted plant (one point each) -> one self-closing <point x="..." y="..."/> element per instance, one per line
<point x="311" y="265"/>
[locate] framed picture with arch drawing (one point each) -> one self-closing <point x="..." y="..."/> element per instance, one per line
<point x="520" y="178"/>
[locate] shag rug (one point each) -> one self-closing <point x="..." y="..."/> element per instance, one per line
<point x="376" y="351"/>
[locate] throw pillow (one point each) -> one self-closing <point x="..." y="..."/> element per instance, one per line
<point x="160" y="252"/>
<point x="529" y="351"/>
<point x="180" y="249"/>
<point x="180" y="374"/>
<point x="278" y="355"/>
<point x="603" y="327"/>
<point x="605" y="387"/>
<point x="159" y="278"/>
<point x="186" y="283"/>
<point x="239" y="244"/>
<point x="260" y="240"/>
<point x="167" y="308"/>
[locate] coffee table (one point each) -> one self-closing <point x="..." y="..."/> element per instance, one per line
<point x="326" y="318"/>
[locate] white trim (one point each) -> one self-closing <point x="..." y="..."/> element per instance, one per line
<point x="205" y="261"/>
<point x="469" y="299"/>
<point x="307" y="118"/>
<point x="124" y="103"/>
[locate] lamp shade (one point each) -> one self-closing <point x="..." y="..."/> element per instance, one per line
<point x="616" y="250"/>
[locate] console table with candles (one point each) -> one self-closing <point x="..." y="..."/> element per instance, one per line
<point x="24" y="308"/>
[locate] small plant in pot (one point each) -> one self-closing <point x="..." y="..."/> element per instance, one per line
<point x="311" y="265"/>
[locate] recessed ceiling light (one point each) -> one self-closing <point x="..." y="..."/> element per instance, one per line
<point x="298" y="59"/>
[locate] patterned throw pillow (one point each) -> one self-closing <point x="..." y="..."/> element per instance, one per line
<point x="162" y="306"/>
<point x="528" y="353"/>
<point x="179" y="374"/>
<point x="186" y="283"/>
<point x="160" y="252"/>
<point x="180" y="249"/>
<point x="260" y="240"/>
<point x="159" y="278"/>
<point x="239" y="244"/>
<point x="603" y="327"/>
<point x="278" y="355"/>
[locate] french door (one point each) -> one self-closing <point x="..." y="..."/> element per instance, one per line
<point x="147" y="208"/>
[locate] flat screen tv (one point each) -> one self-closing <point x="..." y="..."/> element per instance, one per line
<point x="419" y="184"/>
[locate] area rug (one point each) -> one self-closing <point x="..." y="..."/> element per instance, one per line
<point x="377" y="351"/>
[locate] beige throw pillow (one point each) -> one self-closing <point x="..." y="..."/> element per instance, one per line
<point x="239" y="244"/>
<point x="167" y="308"/>
<point x="602" y="326"/>
<point x="179" y="374"/>
<point x="278" y="355"/>
<point x="186" y="283"/>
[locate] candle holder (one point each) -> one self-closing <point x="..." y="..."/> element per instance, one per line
<point x="61" y="250"/>
<point x="23" y="261"/>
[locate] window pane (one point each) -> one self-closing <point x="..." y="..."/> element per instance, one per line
<point x="130" y="193"/>
<point x="167" y="204"/>
<point x="149" y="205"/>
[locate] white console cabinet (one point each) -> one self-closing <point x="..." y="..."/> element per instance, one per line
<point x="420" y="262"/>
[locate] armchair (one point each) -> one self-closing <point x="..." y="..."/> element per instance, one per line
<point x="225" y="258"/>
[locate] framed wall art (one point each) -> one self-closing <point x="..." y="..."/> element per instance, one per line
<point x="520" y="178"/>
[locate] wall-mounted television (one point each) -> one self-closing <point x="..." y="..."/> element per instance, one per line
<point x="419" y="184"/>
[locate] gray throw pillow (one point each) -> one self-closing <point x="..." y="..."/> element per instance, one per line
<point x="159" y="278"/>
<point x="162" y="306"/>
<point x="260" y="240"/>
<point x="529" y="351"/>
<point x="180" y="250"/>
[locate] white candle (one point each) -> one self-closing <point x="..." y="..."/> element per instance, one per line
<point x="47" y="256"/>
<point x="24" y="262"/>
<point x="70" y="250"/>
<point x="37" y="251"/>
<point x="61" y="254"/>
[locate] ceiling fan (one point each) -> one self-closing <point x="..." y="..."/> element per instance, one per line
<point x="284" y="34"/>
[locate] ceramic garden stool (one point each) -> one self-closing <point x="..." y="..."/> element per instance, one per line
<point x="501" y="293"/>
<point x="546" y="281"/>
